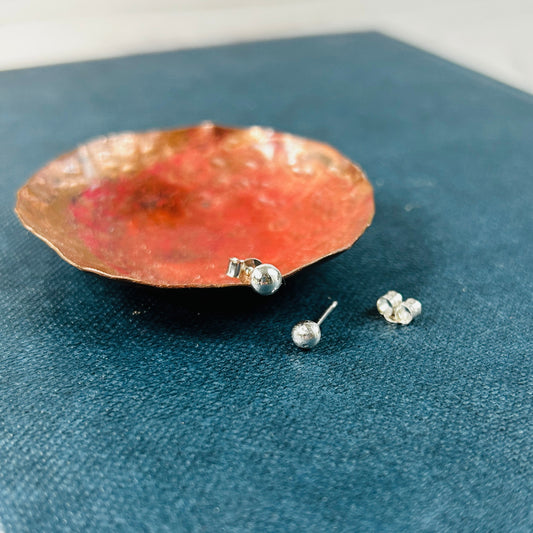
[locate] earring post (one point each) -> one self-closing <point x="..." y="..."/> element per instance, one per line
<point x="327" y="312"/>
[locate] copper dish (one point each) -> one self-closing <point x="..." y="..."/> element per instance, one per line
<point x="169" y="208"/>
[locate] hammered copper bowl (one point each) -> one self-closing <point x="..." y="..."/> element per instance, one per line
<point x="169" y="208"/>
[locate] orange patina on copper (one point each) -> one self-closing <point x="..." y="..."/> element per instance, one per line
<point x="169" y="208"/>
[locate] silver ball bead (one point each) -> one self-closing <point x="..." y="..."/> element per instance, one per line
<point x="266" y="279"/>
<point x="306" y="334"/>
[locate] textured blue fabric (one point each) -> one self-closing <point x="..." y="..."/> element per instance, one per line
<point x="135" y="409"/>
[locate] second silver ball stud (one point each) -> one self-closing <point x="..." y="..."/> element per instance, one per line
<point x="306" y="334"/>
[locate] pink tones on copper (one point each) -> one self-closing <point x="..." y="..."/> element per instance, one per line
<point x="169" y="208"/>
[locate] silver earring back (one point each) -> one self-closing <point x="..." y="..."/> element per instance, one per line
<point x="392" y="307"/>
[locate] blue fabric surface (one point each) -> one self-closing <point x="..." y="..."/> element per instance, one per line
<point x="135" y="409"/>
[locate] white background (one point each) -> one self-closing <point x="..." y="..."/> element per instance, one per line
<point x="493" y="37"/>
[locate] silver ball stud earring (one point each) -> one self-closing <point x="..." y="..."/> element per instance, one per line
<point x="307" y="334"/>
<point x="392" y="307"/>
<point x="264" y="278"/>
